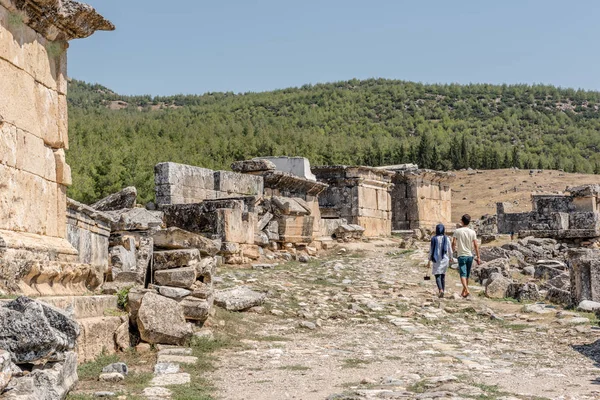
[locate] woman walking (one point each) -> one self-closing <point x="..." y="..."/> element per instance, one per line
<point x="440" y="254"/>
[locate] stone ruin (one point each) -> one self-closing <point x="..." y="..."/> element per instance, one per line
<point x="572" y="216"/>
<point x="421" y="198"/>
<point x="48" y="246"/>
<point x="359" y="195"/>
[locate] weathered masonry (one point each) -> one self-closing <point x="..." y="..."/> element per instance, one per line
<point x="560" y="216"/>
<point x="421" y="198"/>
<point x="361" y="195"/>
<point x="35" y="255"/>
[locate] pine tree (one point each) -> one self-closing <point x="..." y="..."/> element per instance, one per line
<point x="597" y="168"/>
<point x="435" y="158"/>
<point x="424" y="152"/>
<point x="540" y="164"/>
<point x="507" y="163"/>
<point x="464" y="153"/>
<point x="516" y="158"/>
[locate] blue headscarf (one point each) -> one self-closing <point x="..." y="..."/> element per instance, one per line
<point x="439" y="231"/>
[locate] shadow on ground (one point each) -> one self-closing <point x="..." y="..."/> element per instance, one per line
<point x="591" y="351"/>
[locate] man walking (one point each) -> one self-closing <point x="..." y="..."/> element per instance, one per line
<point x="464" y="242"/>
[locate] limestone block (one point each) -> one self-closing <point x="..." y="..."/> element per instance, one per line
<point x="290" y="206"/>
<point x="297" y="166"/>
<point x="28" y="50"/>
<point x="5" y="369"/>
<point x="32" y="106"/>
<point x="206" y="269"/>
<point x="176" y="258"/>
<point x="296" y="229"/>
<point x="264" y="220"/>
<point x="256" y="165"/>
<point x="237" y="184"/>
<point x="8" y="144"/>
<point x="63" y="170"/>
<point x="135" y="219"/>
<point x="123" y="259"/>
<point x="250" y="251"/>
<point x="82" y="306"/>
<point x="16" y="213"/>
<point x="97" y="336"/>
<point x="176" y="238"/>
<point x="177" y="277"/>
<point x="173" y="292"/>
<point x="161" y="320"/>
<point x="585" y="275"/>
<point x="196" y="309"/>
<point x="134" y="302"/>
<point x="373" y="226"/>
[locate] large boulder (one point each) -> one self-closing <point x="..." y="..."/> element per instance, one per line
<point x="176" y="238"/>
<point x="492" y="253"/>
<point x="50" y="381"/>
<point x="126" y="198"/>
<point x="524" y="292"/>
<point x="484" y="271"/>
<point x="33" y="331"/>
<point x="497" y="286"/>
<point x="239" y="298"/>
<point x="196" y="309"/>
<point x="161" y="320"/>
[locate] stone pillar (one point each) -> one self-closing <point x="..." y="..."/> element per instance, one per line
<point x="34" y="176"/>
<point x="585" y="275"/>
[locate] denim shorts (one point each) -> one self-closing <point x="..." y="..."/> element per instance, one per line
<point x="464" y="266"/>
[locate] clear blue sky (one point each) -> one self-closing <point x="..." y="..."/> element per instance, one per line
<point x="197" y="46"/>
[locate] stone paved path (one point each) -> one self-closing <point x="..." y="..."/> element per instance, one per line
<point x="368" y="326"/>
<point x="167" y="373"/>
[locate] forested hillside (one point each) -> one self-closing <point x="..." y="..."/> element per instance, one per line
<point x="116" y="140"/>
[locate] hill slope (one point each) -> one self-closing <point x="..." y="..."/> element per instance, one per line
<point x="476" y="193"/>
<point x="116" y="140"/>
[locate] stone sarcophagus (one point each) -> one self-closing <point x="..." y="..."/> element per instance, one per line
<point x="34" y="250"/>
<point x="361" y="195"/>
<point x="421" y="198"/>
<point x="290" y="209"/>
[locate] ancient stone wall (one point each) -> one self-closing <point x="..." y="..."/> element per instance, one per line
<point x="420" y="198"/>
<point x="88" y="231"/>
<point x="34" y="251"/>
<point x="186" y="184"/>
<point x="361" y="195"/>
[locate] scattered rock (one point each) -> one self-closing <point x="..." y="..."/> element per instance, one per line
<point x="118" y="367"/>
<point x="5" y="369"/>
<point x="111" y="377"/>
<point x="588" y="305"/>
<point x="239" y="298"/>
<point x="308" y="325"/>
<point x="174" y="238"/>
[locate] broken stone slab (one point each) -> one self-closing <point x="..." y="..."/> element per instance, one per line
<point x="239" y="298"/>
<point x="135" y="219"/>
<point x="177" y="277"/>
<point x="290" y="206"/>
<point x="543" y="271"/>
<point x="559" y="296"/>
<point x="492" y="253"/>
<point x="169" y="259"/>
<point x="51" y="381"/>
<point x="176" y="238"/>
<point x="264" y="220"/>
<point x="174" y="292"/>
<point x="206" y="269"/>
<point x="126" y="198"/>
<point x="161" y="320"/>
<point x="202" y="290"/>
<point x="166" y="368"/>
<point x="249" y="166"/>
<point x="261" y="239"/>
<point x="176" y="358"/>
<point x="33" y="331"/>
<point x="122" y="339"/>
<point x="156" y="393"/>
<point x="524" y="292"/>
<point x="181" y="378"/>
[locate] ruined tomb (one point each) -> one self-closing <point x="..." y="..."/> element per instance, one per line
<point x="560" y="216"/>
<point x="289" y="212"/>
<point x="585" y="275"/>
<point x="34" y="176"/>
<point x="360" y="195"/>
<point x="421" y="198"/>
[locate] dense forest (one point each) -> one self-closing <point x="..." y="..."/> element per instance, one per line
<point x="116" y="140"/>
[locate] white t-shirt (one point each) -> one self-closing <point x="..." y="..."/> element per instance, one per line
<point x="464" y="241"/>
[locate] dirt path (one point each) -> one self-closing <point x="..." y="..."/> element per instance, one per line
<point x="366" y="325"/>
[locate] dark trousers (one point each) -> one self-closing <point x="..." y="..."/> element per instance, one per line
<point x="440" y="280"/>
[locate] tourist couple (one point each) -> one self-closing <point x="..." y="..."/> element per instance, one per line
<point x="464" y="242"/>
